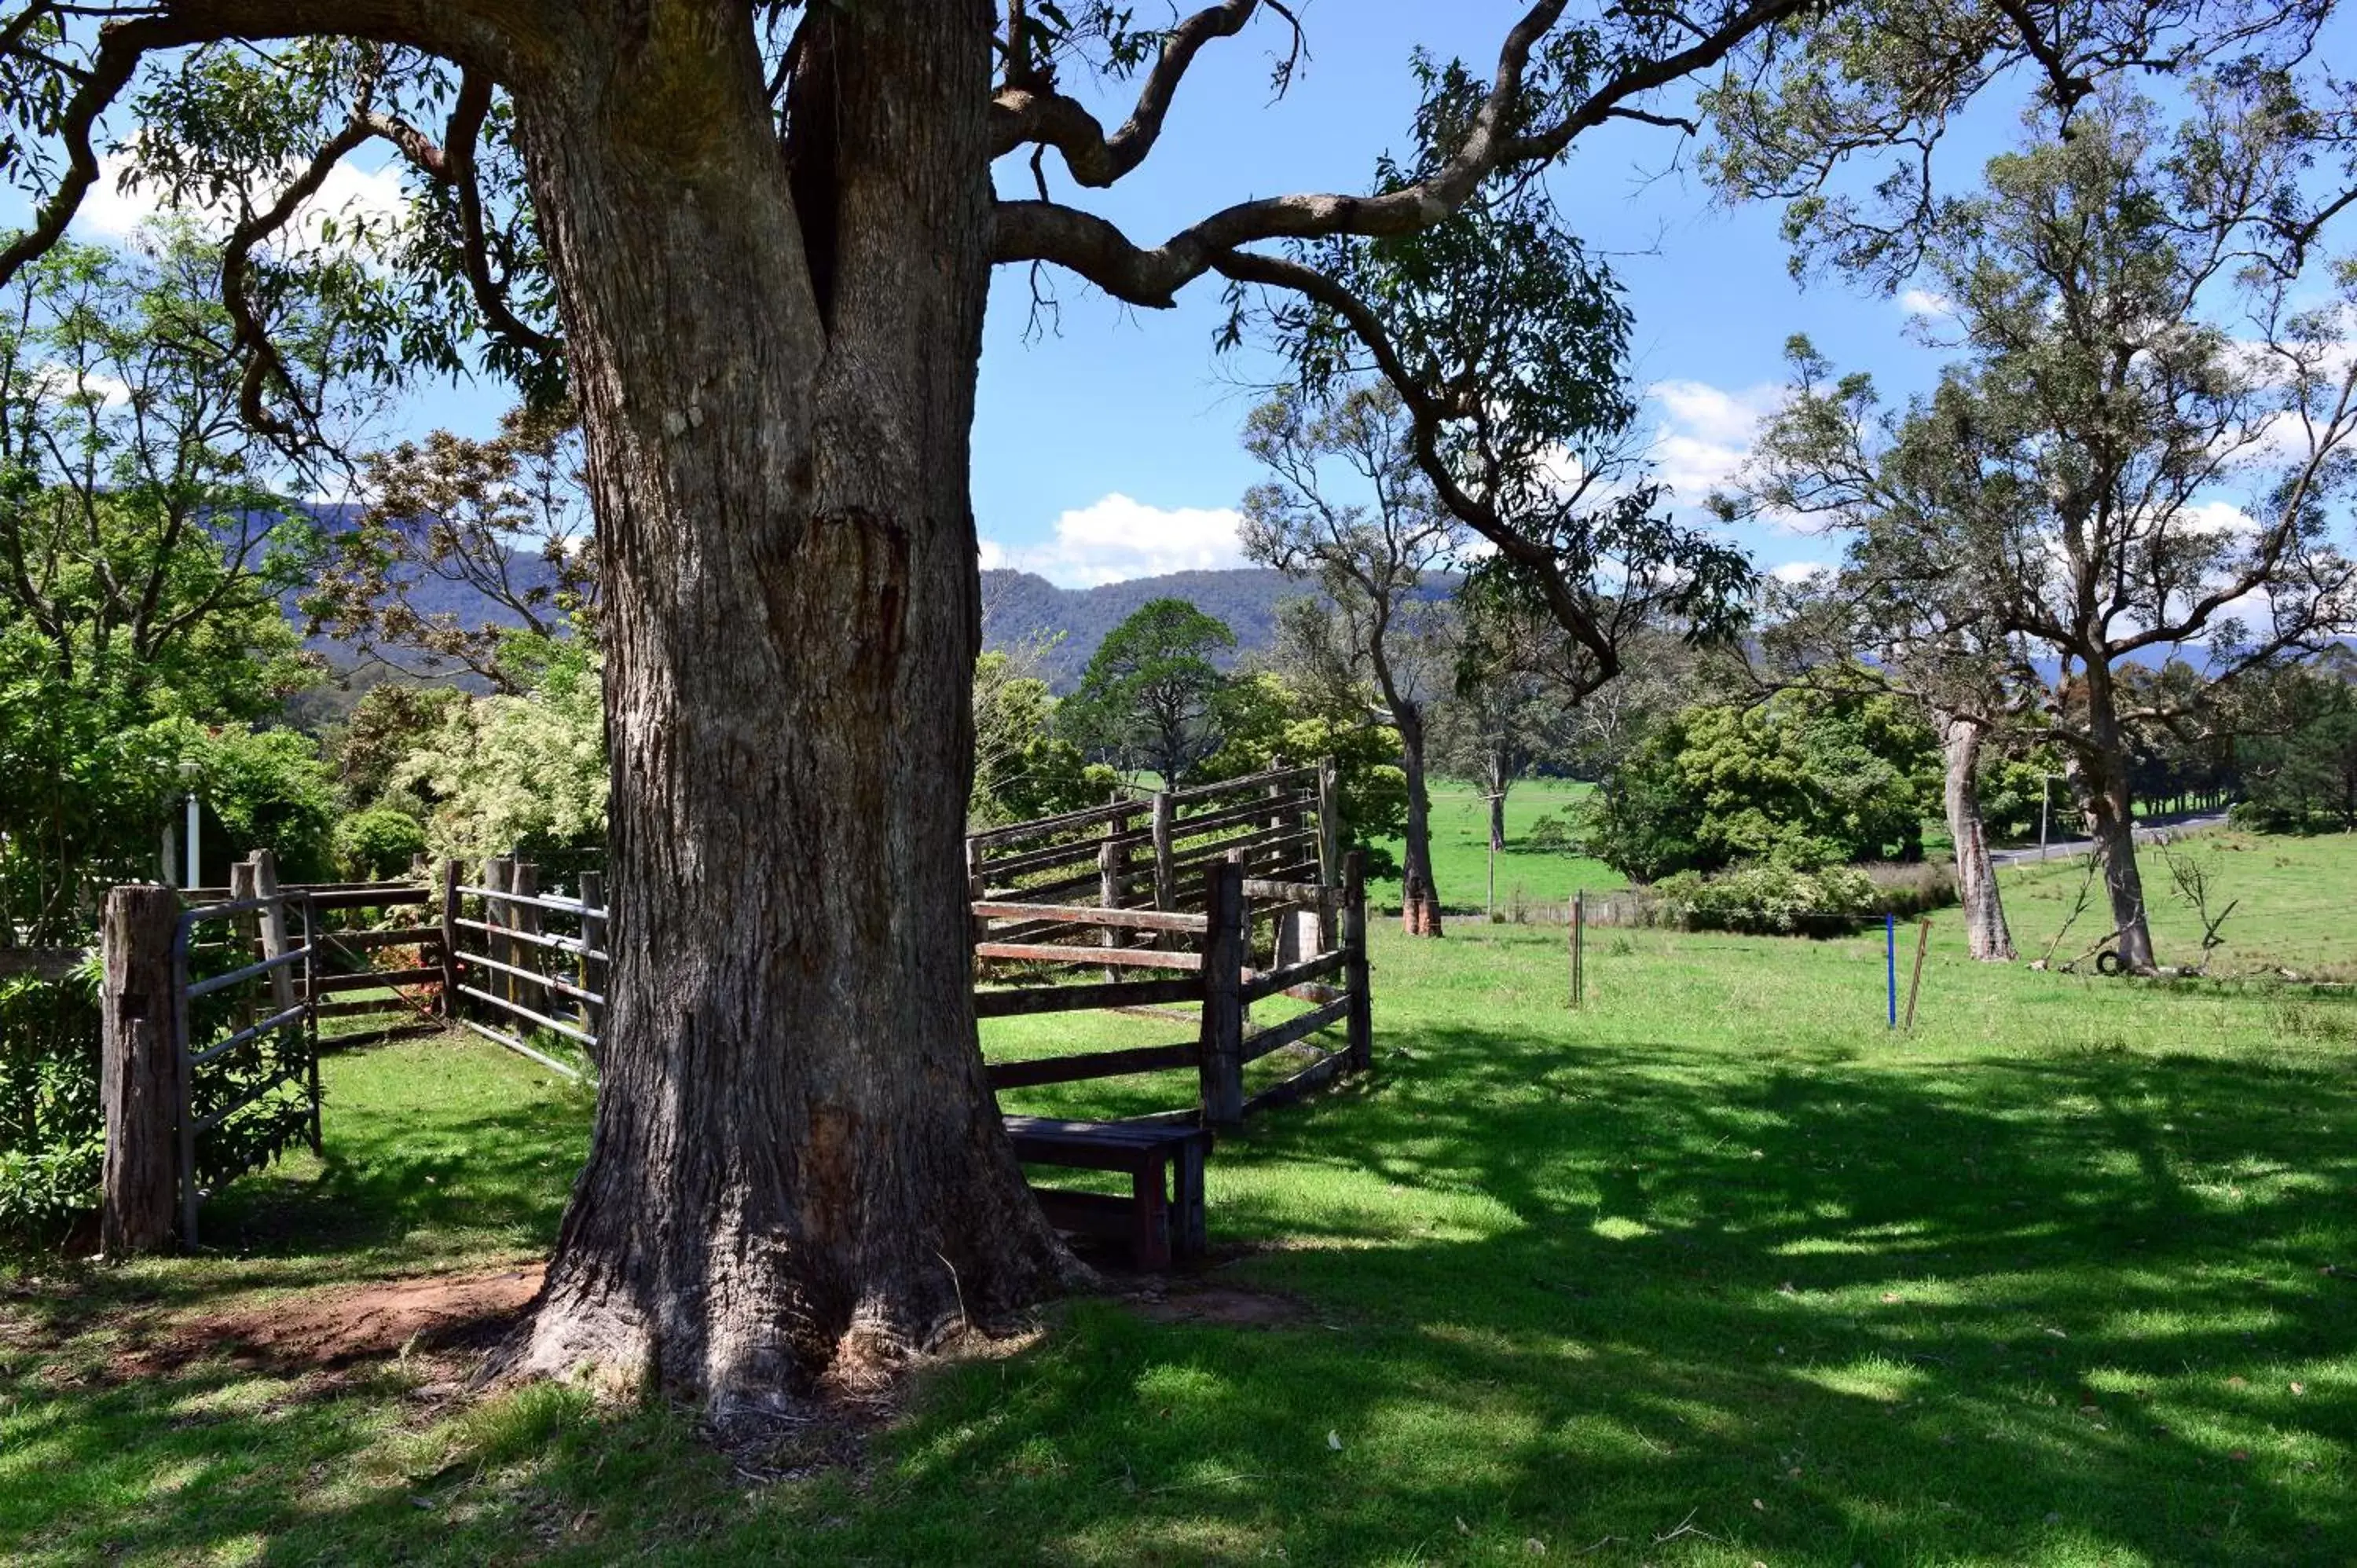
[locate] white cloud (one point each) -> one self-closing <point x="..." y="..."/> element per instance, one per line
<point x="1117" y="538"/>
<point x="54" y="383"/>
<point x="1704" y="433"/>
<point x="1797" y="571"/>
<point x="350" y="194"/>
<point x="2217" y="517"/>
<point x="1924" y="302"/>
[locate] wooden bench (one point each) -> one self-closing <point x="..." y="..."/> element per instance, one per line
<point x="1161" y="1219"/>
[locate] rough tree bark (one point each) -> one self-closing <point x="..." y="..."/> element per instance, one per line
<point x="1985" y="933"/>
<point x="1419" y="899"/>
<point x="2098" y="772"/>
<point x="1499" y="779"/>
<point x="776" y="367"/>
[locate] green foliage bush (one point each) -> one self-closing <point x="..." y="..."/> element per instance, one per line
<point x="1549" y="832"/>
<point x="52" y="1131"/>
<point x="1769" y="899"/>
<point x="523" y="773"/>
<point x="1804" y="780"/>
<point x="1267" y="719"/>
<point x="378" y="844"/>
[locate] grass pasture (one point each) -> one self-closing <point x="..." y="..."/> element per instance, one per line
<point x="1460" y="848"/>
<point x="1717" y="1271"/>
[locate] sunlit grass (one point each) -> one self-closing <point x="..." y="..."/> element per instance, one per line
<point x="1717" y="1271"/>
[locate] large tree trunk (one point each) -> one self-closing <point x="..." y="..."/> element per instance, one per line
<point x="798" y="1169"/>
<point x="2099" y="773"/>
<point x="1419" y="899"/>
<point x="1985" y="934"/>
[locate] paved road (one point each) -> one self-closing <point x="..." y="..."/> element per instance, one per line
<point x="2183" y="821"/>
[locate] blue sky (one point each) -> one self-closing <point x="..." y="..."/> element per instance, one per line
<point x="1108" y="448"/>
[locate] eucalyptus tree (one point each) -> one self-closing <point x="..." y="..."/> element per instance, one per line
<point x="752" y="239"/>
<point x="1345" y="505"/>
<point x="1926" y="641"/>
<point x="2144" y="442"/>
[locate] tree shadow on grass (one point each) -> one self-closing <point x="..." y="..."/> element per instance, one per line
<point x="1620" y="1299"/>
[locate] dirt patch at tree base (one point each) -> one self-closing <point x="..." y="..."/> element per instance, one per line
<point x="1220" y="1306"/>
<point x="339" y="1327"/>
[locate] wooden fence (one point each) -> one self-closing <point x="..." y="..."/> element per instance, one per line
<point x="1223" y="896"/>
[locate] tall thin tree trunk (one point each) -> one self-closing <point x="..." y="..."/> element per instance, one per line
<point x="1499" y="778"/>
<point x="2099" y="773"/>
<point x="1986" y="933"/>
<point x="1419" y="899"/>
<point x="798" y="1169"/>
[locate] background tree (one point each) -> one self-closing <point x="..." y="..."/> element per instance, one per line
<point x="501" y="526"/>
<point x="1808" y="779"/>
<point x="144" y="547"/>
<point x="2067" y="486"/>
<point x="1927" y="643"/>
<point x="1022" y="768"/>
<point x="754" y="242"/>
<point x="2303" y="777"/>
<point x="1151" y="696"/>
<point x="1372" y="541"/>
<point x="1507" y="712"/>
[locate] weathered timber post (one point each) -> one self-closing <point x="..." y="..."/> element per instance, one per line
<point x="523" y="880"/>
<point x="1112" y="884"/>
<point x="1361" y="1024"/>
<point x="1923" y="945"/>
<point x="1330" y="847"/>
<point x="1278" y="825"/>
<point x="1166" y="869"/>
<point x="248" y="930"/>
<point x="593" y="968"/>
<point x="1221" y="1067"/>
<point x="274" y="928"/>
<point x="497" y="949"/>
<point x="139" y="1087"/>
<point x="450" y="881"/>
<point x="977" y="888"/>
<point x="1579" y="948"/>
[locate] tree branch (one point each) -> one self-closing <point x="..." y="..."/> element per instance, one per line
<point x="1028" y="109"/>
<point x="1101" y="253"/>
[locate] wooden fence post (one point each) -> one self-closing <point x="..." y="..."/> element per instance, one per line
<point x="450" y="882"/>
<point x="241" y="886"/>
<point x="1579" y="948"/>
<point x="1221" y="1067"/>
<point x="523" y="880"/>
<point x="1362" y="1022"/>
<point x="497" y="949"/>
<point x="1111" y="883"/>
<point x="1922" y="945"/>
<point x="1274" y="857"/>
<point x="138" y="1071"/>
<point x="274" y="928"/>
<point x="594" y="970"/>
<point x="1329" y="849"/>
<point x="1165" y="870"/>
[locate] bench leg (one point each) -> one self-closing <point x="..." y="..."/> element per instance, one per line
<point x="1188" y="1239"/>
<point x="1149" y="1242"/>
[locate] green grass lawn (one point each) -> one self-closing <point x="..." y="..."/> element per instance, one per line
<point x="1716" y="1272"/>
<point x="1460" y="849"/>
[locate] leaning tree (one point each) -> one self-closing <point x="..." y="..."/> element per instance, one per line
<point x="752" y="241"/>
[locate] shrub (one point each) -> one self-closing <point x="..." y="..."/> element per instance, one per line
<point x="1548" y="833"/>
<point x="378" y="844"/>
<point x="52" y="1131"/>
<point x="1763" y="899"/>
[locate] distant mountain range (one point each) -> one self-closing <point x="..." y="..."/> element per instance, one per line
<point x="1017" y="607"/>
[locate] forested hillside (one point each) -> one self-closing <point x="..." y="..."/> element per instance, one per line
<point x="1019" y="605"/>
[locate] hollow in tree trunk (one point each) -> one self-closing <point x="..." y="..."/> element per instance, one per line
<point x="1986" y="933"/>
<point x="798" y="1169"/>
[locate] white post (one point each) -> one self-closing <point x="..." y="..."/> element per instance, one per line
<point x="2045" y="805"/>
<point x="192" y="880"/>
